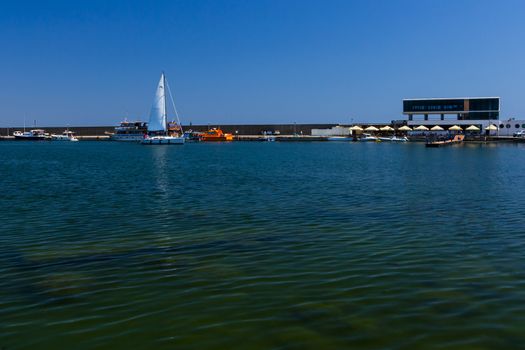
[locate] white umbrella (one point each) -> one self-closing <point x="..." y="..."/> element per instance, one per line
<point x="437" y="128"/>
<point x="371" y="128"/>
<point x="356" y="128"/>
<point x="405" y="128"/>
<point x="421" y="128"/>
<point x="472" y="128"/>
<point x="386" y="128"/>
<point x="455" y="128"/>
<point x="491" y="127"/>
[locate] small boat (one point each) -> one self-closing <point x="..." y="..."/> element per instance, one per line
<point x="340" y="138"/>
<point x="399" y="139"/>
<point x="159" y="131"/>
<point x="448" y="142"/>
<point x="192" y="136"/>
<point x="394" y="139"/>
<point x="267" y="138"/>
<point x="369" y="138"/>
<point x="216" y="134"/>
<point x="31" y="135"/>
<point x="66" y="136"/>
<point x="129" y="131"/>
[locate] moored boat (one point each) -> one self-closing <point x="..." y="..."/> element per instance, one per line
<point x="267" y="136"/>
<point x="216" y="134"/>
<point x="394" y="139"/>
<point x="160" y="132"/>
<point x="433" y="143"/>
<point x="65" y="136"/>
<point x="129" y="131"/>
<point x="399" y="139"/>
<point x="31" y="135"/>
<point x="369" y="138"/>
<point x="192" y="136"/>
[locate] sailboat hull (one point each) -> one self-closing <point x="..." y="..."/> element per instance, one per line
<point x="163" y="140"/>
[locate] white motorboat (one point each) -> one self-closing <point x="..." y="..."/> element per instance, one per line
<point x="66" y="136"/>
<point x="399" y="139"/>
<point x="159" y="132"/>
<point x="394" y="139"/>
<point x="369" y="138"/>
<point x="267" y="138"/>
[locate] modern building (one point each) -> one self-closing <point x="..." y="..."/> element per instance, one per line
<point x="449" y="111"/>
<point x="445" y="112"/>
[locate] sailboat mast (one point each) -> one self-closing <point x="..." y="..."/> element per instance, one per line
<point x="165" y="105"/>
<point x="174" y="107"/>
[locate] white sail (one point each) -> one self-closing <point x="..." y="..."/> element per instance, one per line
<point x="157" y="116"/>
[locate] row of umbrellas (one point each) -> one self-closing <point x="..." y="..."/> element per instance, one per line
<point x="491" y="127"/>
<point x="373" y="128"/>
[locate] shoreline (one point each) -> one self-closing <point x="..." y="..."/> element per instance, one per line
<point x="293" y="138"/>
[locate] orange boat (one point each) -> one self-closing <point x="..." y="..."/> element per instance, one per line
<point x="216" y="134"/>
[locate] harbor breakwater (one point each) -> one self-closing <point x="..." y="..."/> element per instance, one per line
<point x="241" y="132"/>
<point x="235" y="129"/>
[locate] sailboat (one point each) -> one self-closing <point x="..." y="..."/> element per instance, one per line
<point x="158" y="131"/>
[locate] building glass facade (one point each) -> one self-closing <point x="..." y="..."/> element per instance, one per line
<point x="464" y="108"/>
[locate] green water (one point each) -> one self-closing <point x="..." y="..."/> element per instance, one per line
<point x="261" y="246"/>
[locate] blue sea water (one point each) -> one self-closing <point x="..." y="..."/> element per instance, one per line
<point x="261" y="246"/>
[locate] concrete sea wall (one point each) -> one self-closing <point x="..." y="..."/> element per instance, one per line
<point x="237" y="129"/>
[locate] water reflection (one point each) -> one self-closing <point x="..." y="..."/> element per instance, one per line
<point x="160" y="167"/>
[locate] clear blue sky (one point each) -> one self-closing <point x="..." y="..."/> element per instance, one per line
<point x="255" y="61"/>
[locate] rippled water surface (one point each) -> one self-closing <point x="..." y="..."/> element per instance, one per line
<point x="261" y="246"/>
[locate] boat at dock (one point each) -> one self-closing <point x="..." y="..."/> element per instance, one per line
<point x="445" y="142"/>
<point x="159" y="131"/>
<point x="129" y="131"/>
<point x="267" y="138"/>
<point x="192" y="136"/>
<point x="369" y="138"/>
<point x="65" y="136"/>
<point x="394" y="139"/>
<point x="31" y="135"/>
<point x="216" y="134"/>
